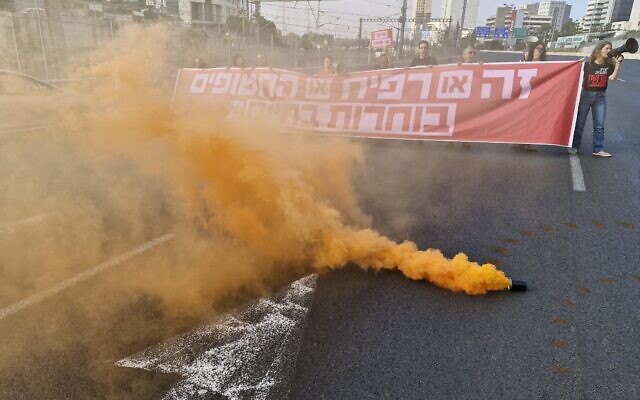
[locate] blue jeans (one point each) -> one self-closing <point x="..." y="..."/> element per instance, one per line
<point x="597" y="102"/>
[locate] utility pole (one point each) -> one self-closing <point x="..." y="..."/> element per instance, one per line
<point x="248" y="14"/>
<point x="284" y="21"/>
<point x="257" y="14"/>
<point x="358" y="43"/>
<point x="403" y="20"/>
<point x="318" y="22"/>
<point x="464" y="9"/>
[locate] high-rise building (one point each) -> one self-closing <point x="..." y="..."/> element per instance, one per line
<point x="454" y="9"/>
<point x="208" y="12"/>
<point x="421" y="13"/>
<point x="502" y="13"/>
<point x="634" y="18"/>
<point x="558" y="10"/>
<point x="522" y="16"/>
<point x="599" y="13"/>
<point x="622" y="10"/>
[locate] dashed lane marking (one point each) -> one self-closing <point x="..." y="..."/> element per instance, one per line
<point x="8" y="228"/>
<point x="14" y="308"/>
<point x="576" y="174"/>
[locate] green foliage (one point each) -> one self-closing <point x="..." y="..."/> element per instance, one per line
<point x="569" y="28"/>
<point x="234" y="24"/>
<point x="492" y="45"/>
<point x="267" y="28"/>
<point x="633" y="34"/>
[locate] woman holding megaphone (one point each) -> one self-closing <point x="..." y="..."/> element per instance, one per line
<point x="599" y="69"/>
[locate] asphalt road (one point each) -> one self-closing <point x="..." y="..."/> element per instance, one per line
<point x="572" y="335"/>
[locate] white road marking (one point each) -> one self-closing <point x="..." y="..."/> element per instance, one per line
<point x="14" y="308"/>
<point x="250" y="353"/>
<point x="8" y="228"/>
<point x="576" y="173"/>
<point x="621" y="80"/>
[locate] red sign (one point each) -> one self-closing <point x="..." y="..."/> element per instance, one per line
<point x="532" y="103"/>
<point x="381" y="38"/>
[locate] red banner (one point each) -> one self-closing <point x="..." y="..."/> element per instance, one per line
<point x="532" y="103"/>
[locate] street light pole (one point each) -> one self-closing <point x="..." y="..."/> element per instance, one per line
<point x="464" y="9"/>
<point x="257" y="13"/>
<point x="359" y="41"/>
<point x="403" y="20"/>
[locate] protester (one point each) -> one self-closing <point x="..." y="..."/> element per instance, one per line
<point x="383" y="62"/>
<point x="468" y="57"/>
<point x="423" y="57"/>
<point x="341" y="69"/>
<point x="599" y="69"/>
<point x="238" y="61"/>
<point x="327" y="67"/>
<point x="261" y="61"/>
<point x="537" y="52"/>
<point x="199" y="63"/>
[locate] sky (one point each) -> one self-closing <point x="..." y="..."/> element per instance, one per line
<point x="341" y="17"/>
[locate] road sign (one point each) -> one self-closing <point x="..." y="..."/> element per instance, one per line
<point x="483" y="31"/>
<point x="426" y="35"/>
<point x="381" y="38"/>
<point x="520" y="33"/>
<point x="501" y="32"/>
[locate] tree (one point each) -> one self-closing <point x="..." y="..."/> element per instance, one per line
<point x="306" y="42"/>
<point x="267" y="29"/>
<point x="569" y="28"/>
<point x="544" y="32"/>
<point x="632" y="34"/>
<point x="492" y="45"/>
<point x="235" y="24"/>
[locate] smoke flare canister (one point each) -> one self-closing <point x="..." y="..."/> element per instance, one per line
<point x="518" y="286"/>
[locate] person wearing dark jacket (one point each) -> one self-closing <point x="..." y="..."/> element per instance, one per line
<point x="423" y="57"/>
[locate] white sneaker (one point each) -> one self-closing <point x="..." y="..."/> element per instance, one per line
<point x="602" y="153"/>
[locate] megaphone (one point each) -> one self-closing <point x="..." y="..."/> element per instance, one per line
<point x="630" y="46"/>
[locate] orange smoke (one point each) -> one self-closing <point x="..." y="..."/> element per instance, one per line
<point x="284" y="198"/>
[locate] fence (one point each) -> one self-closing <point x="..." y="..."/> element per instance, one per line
<point x="53" y="48"/>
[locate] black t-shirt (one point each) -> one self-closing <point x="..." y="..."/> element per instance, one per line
<point x="427" y="61"/>
<point x="596" y="76"/>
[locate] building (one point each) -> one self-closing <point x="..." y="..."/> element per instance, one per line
<point x="599" y="14"/>
<point x="634" y="18"/>
<point x="526" y="17"/>
<point x="421" y="13"/>
<point x="504" y="15"/>
<point x="558" y="10"/>
<point x="455" y="9"/>
<point x="208" y="12"/>
<point x="572" y="42"/>
<point x="621" y="10"/>
<point x="535" y="22"/>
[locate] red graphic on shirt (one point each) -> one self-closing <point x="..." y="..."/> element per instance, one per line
<point x="597" y="80"/>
